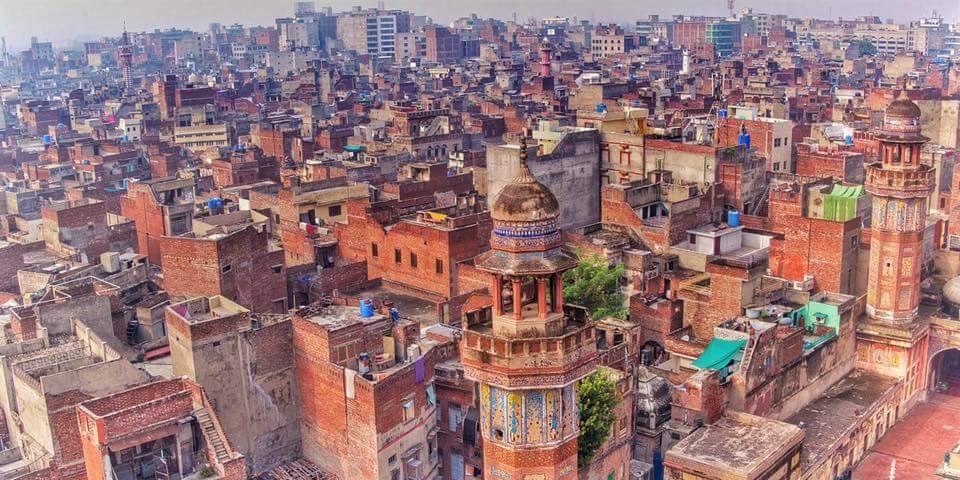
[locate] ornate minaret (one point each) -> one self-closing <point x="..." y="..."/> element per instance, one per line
<point x="529" y="350"/>
<point x="892" y="338"/>
<point x="546" y="57"/>
<point x="125" y="55"/>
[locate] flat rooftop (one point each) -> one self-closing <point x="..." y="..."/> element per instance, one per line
<point x="826" y="419"/>
<point x="739" y="444"/>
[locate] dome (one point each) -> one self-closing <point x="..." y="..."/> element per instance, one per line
<point x="903" y="107"/>
<point x="951" y="291"/>
<point x="901" y="121"/>
<point x="525" y="200"/>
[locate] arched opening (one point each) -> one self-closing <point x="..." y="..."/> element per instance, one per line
<point x="945" y="372"/>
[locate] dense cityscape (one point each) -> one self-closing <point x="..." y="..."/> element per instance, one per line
<point x="364" y="245"/>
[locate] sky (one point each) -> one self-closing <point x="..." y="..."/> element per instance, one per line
<point x="67" y="21"/>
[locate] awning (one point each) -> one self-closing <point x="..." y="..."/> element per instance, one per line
<point x="719" y="354"/>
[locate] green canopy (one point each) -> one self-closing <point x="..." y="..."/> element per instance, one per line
<point x="719" y="354"/>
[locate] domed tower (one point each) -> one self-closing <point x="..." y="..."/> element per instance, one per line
<point x="529" y="350"/>
<point x="900" y="186"/>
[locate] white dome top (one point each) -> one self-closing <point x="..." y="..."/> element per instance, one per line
<point x="951" y="291"/>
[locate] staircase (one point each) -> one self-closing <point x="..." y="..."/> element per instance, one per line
<point x="215" y="441"/>
<point x="758" y="207"/>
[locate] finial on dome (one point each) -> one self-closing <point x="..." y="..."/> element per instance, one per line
<point x="525" y="175"/>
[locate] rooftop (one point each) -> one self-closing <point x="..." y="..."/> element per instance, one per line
<point x="739" y="444"/>
<point x="827" y="419"/>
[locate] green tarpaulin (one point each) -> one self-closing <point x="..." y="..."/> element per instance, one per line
<point x="719" y="354"/>
<point x="841" y="204"/>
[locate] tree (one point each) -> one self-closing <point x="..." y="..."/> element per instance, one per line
<point x="598" y="397"/>
<point x="866" y="47"/>
<point x="594" y="285"/>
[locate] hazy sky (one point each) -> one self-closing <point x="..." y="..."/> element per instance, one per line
<point x="67" y="20"/>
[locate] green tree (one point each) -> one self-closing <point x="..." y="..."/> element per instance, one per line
<point x="594" y="285"/>
<point x="866" y="47"/>
<point x="597" y="399"/>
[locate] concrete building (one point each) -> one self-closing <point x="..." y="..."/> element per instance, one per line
<point x="567" y="160"/>
<point x="218" y="343"/>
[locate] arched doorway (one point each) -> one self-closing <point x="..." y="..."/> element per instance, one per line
<point x="945" y="371"/>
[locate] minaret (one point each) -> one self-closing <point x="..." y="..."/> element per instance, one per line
<point x="891" y="340"/>
<point x="125" y="54"/>
<point x="529" y="350"/>
<point x="546" y="57"/>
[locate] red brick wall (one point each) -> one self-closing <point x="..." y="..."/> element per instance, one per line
<point x="195" y="267"/>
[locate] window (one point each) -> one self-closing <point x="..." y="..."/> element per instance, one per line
<point x="397" y="256"/>
<point x="226" y="269"/>
<point x="334" y="211"/>
<point x="374" y="250"/>
<point x="276" y="268"/>
<point x="409" y="410"/>
<point x="453" y="417"/>
<point x="413" y="260"/>
<point x="439" y="266"/>
<point x="776" y="142"/>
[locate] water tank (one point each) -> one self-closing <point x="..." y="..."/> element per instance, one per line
<point x="366" y="308"/>
<point x="848" y="140"/>
<point x="47" y="140"/>
<point x="722" y="113"/>
<point x="733" y="218"/>
<point x="394" y="315"/>
<point x="601" y="108"/>
<point x="744" y="140"/>
<point x="215" y="204"/>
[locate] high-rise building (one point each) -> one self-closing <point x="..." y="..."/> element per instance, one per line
<point x="529" y="350"/>
<point x="892" y="336"/>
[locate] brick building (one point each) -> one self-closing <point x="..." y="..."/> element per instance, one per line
<point x="843" y="165"/>
<point x="367" y="392"/>
<point x="443" y="46"/>
<point x="82" y="229"/>
<point x="244" y="266"/>
<point x="424" y="254"/>
<point x="158" y="207"/>
<point x="158" y="429"/>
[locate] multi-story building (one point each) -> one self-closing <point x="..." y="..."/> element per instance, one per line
<point x="368" y="401"/>
<point x="443" y="46"/>
<point x="607" y="40"/>
<point x="242" y="265"/>
<point x="372" y="31"/>
<point x="158" y="207"/>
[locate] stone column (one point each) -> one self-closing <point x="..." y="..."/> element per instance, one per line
<point x="517" y="299"/>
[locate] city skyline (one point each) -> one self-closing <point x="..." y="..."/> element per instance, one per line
<point x="21" y="20"/>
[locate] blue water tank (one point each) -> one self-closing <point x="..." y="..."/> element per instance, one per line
<point x="366" y="308"/>
<point x="601" y="108"/>
<point x="47" y="140"/>
<point x="214" y="204"/>
<point x="394" y="315"/>
<point x="722" y="113"/>
<point x="733" y="218"/>
<point x="848" y="140"/>
<point x="744" y="140"/>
